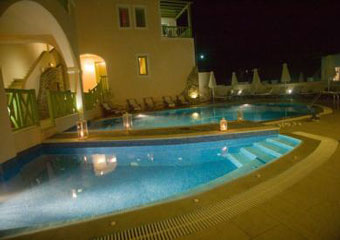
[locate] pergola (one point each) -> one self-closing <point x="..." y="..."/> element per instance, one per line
<point x="175" y="8"/>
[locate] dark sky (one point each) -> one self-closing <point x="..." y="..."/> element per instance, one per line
<point x="243" y="34"/>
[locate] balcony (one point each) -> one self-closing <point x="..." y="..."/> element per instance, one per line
<point x="176" y="32"/>
<point x="176" y="18"/>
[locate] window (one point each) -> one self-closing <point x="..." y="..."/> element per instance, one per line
<point x="124" y="17"/>
<point x="140" y="20"/>
<point x="337" y="74"/>
<point x="143" y="65"/>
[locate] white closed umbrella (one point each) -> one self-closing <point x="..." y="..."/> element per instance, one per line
<point x="212" y="83"/>
<point x="234" y="81"/>
<point x="256" y="83"/>
<point x="285" y="76"/>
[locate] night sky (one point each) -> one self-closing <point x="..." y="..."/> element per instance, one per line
<point x="238" y="35"/>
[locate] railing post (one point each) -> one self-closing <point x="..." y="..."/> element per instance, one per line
<point x="19" y="108"/>
<point x="50" y="106"/>
<point x="35" y="112"/>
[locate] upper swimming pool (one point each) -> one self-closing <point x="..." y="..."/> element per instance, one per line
<point x="59" y="184"/>
<point x="205" y="115"/>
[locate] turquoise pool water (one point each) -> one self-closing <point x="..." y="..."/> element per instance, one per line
<point x="65" y="184"/>
<point x="205" y="115"/>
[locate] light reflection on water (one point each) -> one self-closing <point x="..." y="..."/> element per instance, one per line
<point x="206" y="115"/>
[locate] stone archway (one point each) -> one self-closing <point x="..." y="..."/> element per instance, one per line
<point x="93" y="71"/>
<point x="29" y="21"/>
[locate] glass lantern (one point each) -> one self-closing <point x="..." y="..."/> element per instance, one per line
<point x="223" y="125"/>
<point x="127" y="121"/>
<point x="82" y="129"/>
<point x="239" y="116"/>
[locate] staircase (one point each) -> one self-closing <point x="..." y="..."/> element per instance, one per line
<point x="17" y="84"/>
<point x="262" y="152"/>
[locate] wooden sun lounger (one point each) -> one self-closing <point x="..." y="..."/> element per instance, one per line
<point x="133" y="105"/>
<point x="168" y="102"/>
<point x="181" y="100"/>
<point x="149" y="103"/>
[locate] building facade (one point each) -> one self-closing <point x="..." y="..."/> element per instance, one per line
<point x="54" y="54"/>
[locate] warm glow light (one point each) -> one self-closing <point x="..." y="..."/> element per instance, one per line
<point x="223" y="125"/>
<point x="103" y="164"/>
<point x="89" y="67"/>
<point x="290" y="91"/>
<point x="82" y="129"/>
<point x="239" y="92"/>
<point x="143" y="66"/>
<point x="127" y="121"/>
<point x="74" y="193"/>
<point x="195" y="115"/>
<point x="239" y="115"/>
<point x="194" y="94"/>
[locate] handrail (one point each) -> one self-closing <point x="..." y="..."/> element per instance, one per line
<point x="176" y="32"/>
<point x="22" y="108"/>
<point x="36" y="64"/>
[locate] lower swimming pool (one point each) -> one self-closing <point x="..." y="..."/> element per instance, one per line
<point x="205" y="115"/>
<point x="65" y="184"/>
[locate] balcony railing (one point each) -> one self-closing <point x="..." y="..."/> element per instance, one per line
<point x="176" y="32"/>
<point x="22" y="108"/>
<point x="62" y="103"/>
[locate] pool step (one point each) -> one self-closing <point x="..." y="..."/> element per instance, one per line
<point x="245" y="168"/>
<point x="289" y="140"/>
<point x="259" y="154"/>
<point x="270" y="148"/>
<point x="280" y="143"/>
<point x="238" y="159"/>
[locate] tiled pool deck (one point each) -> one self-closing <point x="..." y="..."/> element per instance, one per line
<point x="309" y="209"/>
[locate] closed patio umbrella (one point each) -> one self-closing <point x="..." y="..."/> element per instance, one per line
<point x="256" y="82"/>
<point x="234" y="81"/>
<point x="285" y="76"/>
<point x="212" y="83"/>
<point x="301" y="77"/>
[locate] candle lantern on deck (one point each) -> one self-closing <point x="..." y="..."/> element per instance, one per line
<point x="223" y="124"/>
<point x="127" y="121"/>
<point x="82" y="129"/>
<point x="239" y="116"/>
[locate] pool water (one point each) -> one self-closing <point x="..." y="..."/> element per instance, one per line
<point x="205" y="115"/>
<point x="64" y="184"/>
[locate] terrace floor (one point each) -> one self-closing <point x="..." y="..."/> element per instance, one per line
<point x="309" y="209"/>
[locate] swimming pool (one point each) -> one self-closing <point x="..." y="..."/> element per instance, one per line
<point x="64" y="184"/>
<point x="205" y="115"/>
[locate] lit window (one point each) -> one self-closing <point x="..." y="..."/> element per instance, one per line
<point x="140" y="17"/>
<point x="143" y="65"/>
<point x="124" y="17"/>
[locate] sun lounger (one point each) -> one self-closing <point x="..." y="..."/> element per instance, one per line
<point x="182" y="101"/>
<point x="168" y="102"/>
<point x="108" y="110"/>
<point x="149" y="103"/>
<point x="133" y="105"/>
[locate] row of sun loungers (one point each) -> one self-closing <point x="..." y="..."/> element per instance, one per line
<point x="149" y="105"/>
<point x="267" y="92"/>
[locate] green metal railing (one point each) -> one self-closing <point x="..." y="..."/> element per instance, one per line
<point x="22" y="108"/>
<point x="93" y="97"/>
<point x="176" y="32"/>
<point x="61" y="103"/>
